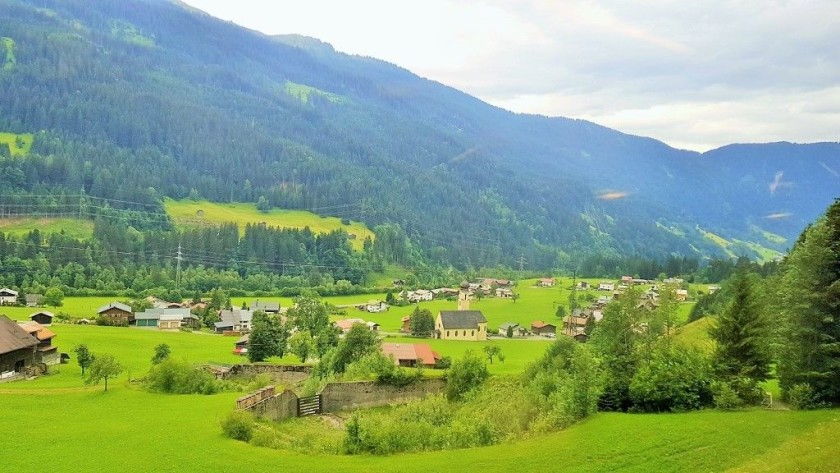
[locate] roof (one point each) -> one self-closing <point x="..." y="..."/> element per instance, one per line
<point x="114" y="305"/>
<point x="222" y="324"/>
<point x="42" y="312"/>
<point x="13" y="337"/>
<point x="8" y="292"/>
<point x="505" y="325"/>
<point x="265" y="306"/>
<point x="461" y="319"/>
<point x="540" y="324"/>
<point x="346" y="324"/>
<point x="421" y="352"/>
<point x="235" y="316"/>
<point x="155" y="314"/>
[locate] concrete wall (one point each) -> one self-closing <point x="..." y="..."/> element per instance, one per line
<point x="278" y="407"/>
<point x="259" y="368"/>
<point x="340" y="396"/>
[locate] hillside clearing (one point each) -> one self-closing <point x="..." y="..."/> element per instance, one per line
<point x="189" y="213"/>
<point x="19" y="143"/>
<point x="80" y="229"/>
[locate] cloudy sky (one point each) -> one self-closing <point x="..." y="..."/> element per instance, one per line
<point x="696" y="75"/>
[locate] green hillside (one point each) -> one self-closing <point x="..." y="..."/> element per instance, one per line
<point x="189" y="213"/>
<point x="19" y="143"/>
<point x="81" y="229"/>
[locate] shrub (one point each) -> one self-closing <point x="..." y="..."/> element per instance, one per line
<point x="672" y="379"/>
<point x="802" y="397"/>
<point x="726" y="398"/>
<point x="179" y="377"/>
<point x="465" y="375"/>
<point x="238" y="425"/>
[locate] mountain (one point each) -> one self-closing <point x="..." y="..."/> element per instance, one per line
<point x="138" y="100"/>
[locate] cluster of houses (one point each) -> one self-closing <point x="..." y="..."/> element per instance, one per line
<point x="502" y="288"/>
<point x="10" y="297"/>
<point x="26" y="348"/>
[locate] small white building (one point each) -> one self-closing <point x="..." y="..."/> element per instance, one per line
<point x="606" y="286"/>
<point x="8" y="296"/>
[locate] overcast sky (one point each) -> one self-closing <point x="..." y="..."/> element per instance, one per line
<point x="696" y="75"/>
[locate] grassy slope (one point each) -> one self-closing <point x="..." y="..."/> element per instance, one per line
<point x="183" y="213"/>
<point x="81" y="229"/>
<point x="302" y="93"/>
<point x="11" y="140"/>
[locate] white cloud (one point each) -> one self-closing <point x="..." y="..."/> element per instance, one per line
<point x="693" y="74"/>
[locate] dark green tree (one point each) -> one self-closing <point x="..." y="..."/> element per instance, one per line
<point x="465" y="375"/>
<point x="54" y="297"/>
<point x="162" y="352"/>
<point x="421" y="322"/>
<point x="357" y="342"/>
<point x="83" y="357"/>
<point x="268" y="337"/>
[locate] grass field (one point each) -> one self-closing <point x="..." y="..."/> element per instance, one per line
<point x="81" y="229"/>
<point x="19" y="143"/>
<point x="128" y="429"/>
<point x="184" y="214"/>
<point x="78" y="307"/>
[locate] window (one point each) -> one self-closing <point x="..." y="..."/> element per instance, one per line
<point x="472" y="333"/>
<point x="447" y="333"/>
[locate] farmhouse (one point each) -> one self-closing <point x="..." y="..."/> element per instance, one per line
<point x="8" y="296"/>
<point x="373" y="306"/>
<point x="166" y="319"/>
<point x="461" y="325"/>
<point x="17" y="348"/>
<point x="504" y="293"/>
<point x="515" y="328"/>
<point x="713" y="288"/>
<point x="574" y="324"/>
<point x="411" y="354"/>
<point x="346" y="324"/>
<point x="546" y="282"/>
<point x="43" y="317"/>
<point x="606" y="286"/>
<point x="267" y="307"/>
<point x="538" y="327"/>
<point x="117" y="312"/>
<point x="582" y="285"/>
<point x="682" y="295"/>
<point x="45" y="352"/>
<point x="34" y="300"/>
<point x="236" y="319"/>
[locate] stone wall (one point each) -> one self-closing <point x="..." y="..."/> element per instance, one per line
<point x="259" y="368"/>
<point x="352" y="395"/>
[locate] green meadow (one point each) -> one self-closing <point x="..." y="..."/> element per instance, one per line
<point x="303" y="92"/>
<point x="185" y="214"/>
<point x="19" y="143"/>
<point x="80" y="229"/>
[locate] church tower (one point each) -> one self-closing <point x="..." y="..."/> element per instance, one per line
<point x="464" y="296"/>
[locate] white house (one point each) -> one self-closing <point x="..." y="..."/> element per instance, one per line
<point x="606" y="286"/>
<point x="8" y="296"/>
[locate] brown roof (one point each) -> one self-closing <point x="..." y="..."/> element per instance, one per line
<point x="13" y="337"/>
<point x="410" y="351"/>
<point x="39" y="331"/>
<point x="540" y="324"/>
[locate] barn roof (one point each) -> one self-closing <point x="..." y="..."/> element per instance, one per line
<point x="461" y="319"/>
<point x="114" y="305"/>
<point x="13" y="337"/>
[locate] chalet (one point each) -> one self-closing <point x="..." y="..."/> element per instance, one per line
<point x="516" y="329"/>
<point x="34" y="300"/>
<point x="504" y="293"/>
<point x="373" y="326"/>
<point x="574" y="324"/>
<point x="582" y="285"/>
<point x="235" y="319"/>
<point x="374" y="306"/>
<point x="346" y="324"/>
<point x="682" y="295"/>
<point x="8" y="296"/>
<point x="45" y="352"/>
<point x="43" y="317"/>
<point x="406" y="324"/>
<point x="461" y="325"/>
<point x="538" y="327"/>
<point x="445" y="292"/>
<point x="606" y="286"/>
<point x="166" y="319"/>
<point x="411" y="354"/>
<point x="546" y="282"/>
<point x="117" y="312"/>
<point x="267" y="307"/>
<point x="17" y="348"/>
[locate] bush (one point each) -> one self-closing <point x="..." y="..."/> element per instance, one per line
<point x="465" y="375"/>
<point x="802" y="397"/>
<point x="672" y="379"/>
<point x="179" y="377"/>
<point x="726" y="398"/>
<point x="239" y="425"/>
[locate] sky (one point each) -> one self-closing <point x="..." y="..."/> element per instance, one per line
<point x="696" y="75"/>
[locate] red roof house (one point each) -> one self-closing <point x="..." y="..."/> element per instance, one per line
<point x="411" y="354"/>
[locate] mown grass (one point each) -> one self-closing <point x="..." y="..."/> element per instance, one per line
<point x="80" y="229"/>
<point x="696" y="334"/>
<point x="78" y="307"/>
<point x="184" y="214"/>
<point x="19" y="143"/>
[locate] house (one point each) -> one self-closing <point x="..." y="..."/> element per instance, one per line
<point x="166" y="319"/>
<point x="682" y="295"/>
<point x="582" y="285"/>
<point x="43" y="317"/>
<point x="606" y="286"/>
<point x="640" y="282"/>
<point x="373" y="306"/>
<point x="373" y="326"/>
<point x="267" y="307"/>
<point x="17" y="348"/>
<point x="420" y="295"/>
<point x="504" y="293"/>
<point x="45" y="352"/>
<point x="406" y="324"/>
<point x="713" y="288"/>
<point x="411" y="354"/>
<point x="538" y="327"/>
<point x="117" y="312"/>
<point x="516" y="329"/>
<point x="235" y="319"/>
<point x="461" y="325"/>
<point x="573" y="324"/>
<point x="346" y="324"/>
<point x="162" y="304"/>
<point x="626" y="279"/>
<point x="8" y="296"/>
<point x="546" y="282"/>
<point x="34" y="300"/>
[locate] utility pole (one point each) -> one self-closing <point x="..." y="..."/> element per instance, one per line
<point x="81" y="203"/>
<point x="178" y="268"/>
<point x="521" y="262"/>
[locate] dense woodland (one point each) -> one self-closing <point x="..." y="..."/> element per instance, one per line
<point x="139" y="100"/>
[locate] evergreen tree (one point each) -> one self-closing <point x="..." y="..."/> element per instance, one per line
<point x="742" y="335"/>
<point x="421" y="322"/>
<point x="810" y="305"/>
<point x="268" y="337"/>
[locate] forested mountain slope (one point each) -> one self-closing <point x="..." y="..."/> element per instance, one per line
<point x="138" y="100"/>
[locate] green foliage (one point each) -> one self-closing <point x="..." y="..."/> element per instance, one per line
<point x="268" y="337"/>
<point x="465" y="375"/>
<point x="54" y="297"/>
<point x="179" y="377"/>
<point x="83" y="357"/>
<point x="422" y="322"/>
<point x="672" y="378"/>
<point x="802" y="397"/>
<point x="357" y="342"/>
<point x="725" y="397"/>
<point x="302" y="345"/>
<point x="162" y="352"/>
<point x="492" y="351"/>
<point x="103" y="367"/>
<point x="377" y="366"/>
<point x="238" y="425"/>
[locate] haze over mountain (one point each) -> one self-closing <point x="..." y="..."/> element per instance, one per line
<point x="143" y="99"/>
